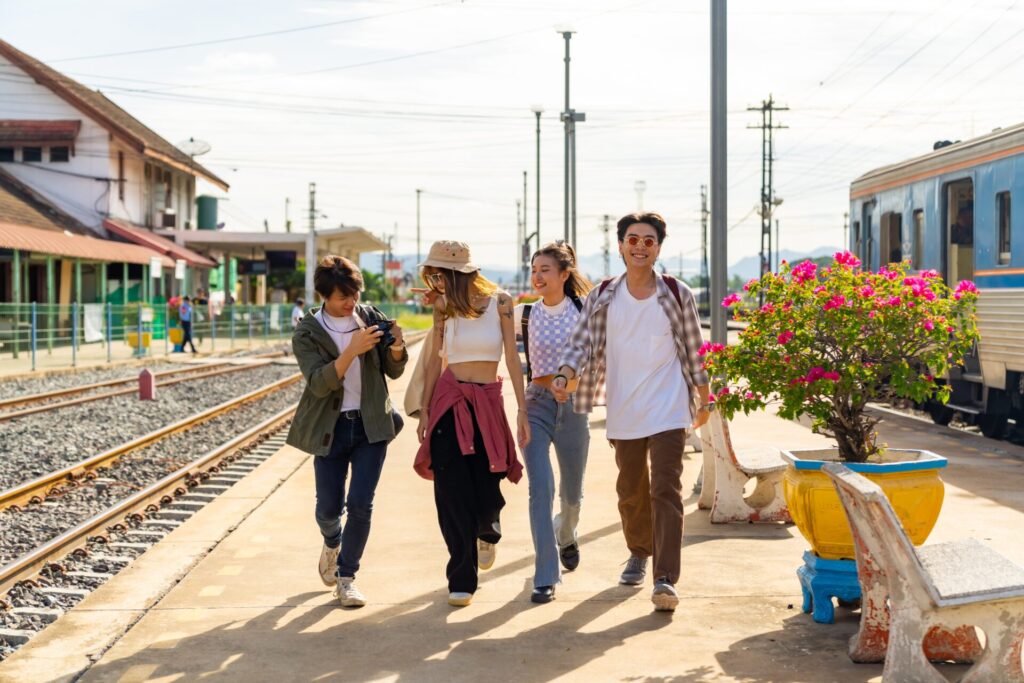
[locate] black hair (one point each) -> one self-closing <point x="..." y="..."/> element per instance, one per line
<point x="337" y="273"/>
<point x="652" y="219"/>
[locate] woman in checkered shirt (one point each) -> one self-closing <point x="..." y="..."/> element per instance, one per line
<point x="546" y="327"/>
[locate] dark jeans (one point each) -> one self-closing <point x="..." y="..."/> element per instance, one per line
<point x="350" y="448"/>
<point x="468" y="500"/>
<point x="187" y="326"/>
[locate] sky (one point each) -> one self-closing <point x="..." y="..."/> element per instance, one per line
<point x="374" y="99"/>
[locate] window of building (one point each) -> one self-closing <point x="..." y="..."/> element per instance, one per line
<point x="917" y="255"/>
<point x="60" y="154"/>
<point x="31" y="153"/>
<point x="6" y="154"/>
<point x="1003" y="211"/>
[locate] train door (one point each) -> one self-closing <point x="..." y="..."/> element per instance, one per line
<point x="866" y="234"/>
<point x="959" y="221"/>
<point x="891" y="238"/>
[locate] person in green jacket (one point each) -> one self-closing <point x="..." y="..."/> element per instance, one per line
<point x="345" y="418"/>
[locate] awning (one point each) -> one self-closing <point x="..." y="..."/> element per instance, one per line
<point x="157" y="243"/>
<point x="26" y="131"/>
<point x="13" y="236"/>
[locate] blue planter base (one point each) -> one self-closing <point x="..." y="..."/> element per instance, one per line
<point x="821" y="580"/>
<point x="179" y="348"/>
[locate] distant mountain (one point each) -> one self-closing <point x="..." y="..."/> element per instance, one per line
<point x="593" y="264"/>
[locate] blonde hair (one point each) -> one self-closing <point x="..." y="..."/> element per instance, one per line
<point x="460" y="289"/>
<point x="565" y="256"/>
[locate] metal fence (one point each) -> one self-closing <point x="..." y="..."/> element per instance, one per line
<point x="35" y="331"/>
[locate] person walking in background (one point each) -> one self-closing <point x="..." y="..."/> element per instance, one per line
<point x="185" y="318"/>
<point x="297" y="312"/>
<point x="641" y="333"/>
<point x="466" y="446"/>
<point x="200" y="313"/>
<point x="344" y="417"/>
<point x="546" y="327"/>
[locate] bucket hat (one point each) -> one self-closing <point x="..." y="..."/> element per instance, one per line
<point x="451" y="255"/>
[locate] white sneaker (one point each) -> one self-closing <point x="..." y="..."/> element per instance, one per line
<point x="664" y="596"/>
<point x="328" y="563"/>
<point x="459" y="599"/>
<point x="485" y="554"/>
<point x="347" y="593"/>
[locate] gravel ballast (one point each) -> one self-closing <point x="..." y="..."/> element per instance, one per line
<point x="35" y="445"/>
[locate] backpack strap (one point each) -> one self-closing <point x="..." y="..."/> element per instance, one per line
<point x="604" y="285"/>
<point x="673" y="285"/>
<point x="577" y="302"/>
<point x="526" y="339"/>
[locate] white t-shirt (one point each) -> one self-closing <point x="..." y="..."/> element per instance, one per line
<point x="340" y="330"/>
<point x="297" y="314"/>
<point x="553" y="311"/>
<point x="647" y="393"/>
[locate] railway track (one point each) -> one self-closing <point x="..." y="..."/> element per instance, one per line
<point x="43" y="402"/>
<point x="37" y="489"/>
<point x="120" y="533"/>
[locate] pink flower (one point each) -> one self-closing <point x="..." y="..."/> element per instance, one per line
<point x="949" y="328"/>
<point x="819" y="289"/>
<point x="931" y="273"/>
<point x="928" y="378"/>
<point x="751" y="281"/>
<point x="928" y="325"/>
<point x="831" y="375"/>
<point x="804" y="272"/>
<point x="964" y="287"/>
<point x="768" y="308"/>
<point x="871" y="314"/>
<point x="749" y="394"/>
<point x="866" y="291"/>
<point x="784" y="337"/>
<point x="723" y="391"/>
<point x="709" y="347"/>
<point x="730" y="300"/>
<point x="845" y="258"/>
<point x="836" y="301"/>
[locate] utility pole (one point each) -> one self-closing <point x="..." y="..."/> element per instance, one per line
<point x="287" y="220"/>
<point x="640" y="186"/>
<point x="418" y="253"/>
<point x="704" y="284"/>
<point x="778" y="246"/>
<point x="606" y="252"/>
<point x="312" y="208"/>
<point x="570" y="117"/>
<point x="768" y="199"/>
<point x="311" y="250"/>
<point x="520" y="232"/>
<point x="526" y="229"/>
<point x="719" y="170"/>
<point x="846" y="224"/>
<point x="537" y="111"/>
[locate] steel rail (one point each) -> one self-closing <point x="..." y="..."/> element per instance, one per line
<point x="37" y="488"/>
<point x="122" y="392"/>
<point x="56" y="393"/>
<point x="29" y="564"/>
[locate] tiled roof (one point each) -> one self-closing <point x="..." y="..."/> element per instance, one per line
<point x="20" y="131"/>
<point x="20" y="205"/>
<point x="151" y="240"/>
<point x="19" y="237"/>
<point x="115" y="119"/>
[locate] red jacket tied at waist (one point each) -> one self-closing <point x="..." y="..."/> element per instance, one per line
<point x="489" y="410"/>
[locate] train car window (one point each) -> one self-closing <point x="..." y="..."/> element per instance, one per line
<point x="1003" y="211"/>
<point x="857" y="238"/>
<point x="917" y="256"/>
<point x="891" y="238"/>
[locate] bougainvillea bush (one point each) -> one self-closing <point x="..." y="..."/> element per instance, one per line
<point x="829" y="340"/>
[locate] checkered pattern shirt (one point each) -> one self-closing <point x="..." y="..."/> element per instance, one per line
<point x="585" y="352"/>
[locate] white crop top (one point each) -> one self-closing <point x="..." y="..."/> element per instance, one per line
<point x="469" y="339"/>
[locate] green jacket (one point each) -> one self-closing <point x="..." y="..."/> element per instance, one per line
<point x="312" y="429"/>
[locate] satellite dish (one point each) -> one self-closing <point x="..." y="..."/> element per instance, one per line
<point x="194" y="148"/>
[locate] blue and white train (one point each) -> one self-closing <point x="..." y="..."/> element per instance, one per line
<point x="951" y="210"/>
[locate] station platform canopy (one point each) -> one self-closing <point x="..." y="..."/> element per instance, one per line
<point x="347" y="241"/>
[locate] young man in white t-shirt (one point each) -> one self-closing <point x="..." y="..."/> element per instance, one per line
<point x="642" y="334"/>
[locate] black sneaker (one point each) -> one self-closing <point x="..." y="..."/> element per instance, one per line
<point x="570" y="556"/>
<point x="543" y="594"/>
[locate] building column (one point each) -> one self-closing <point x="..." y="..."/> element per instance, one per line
<point x="78" y="282"/>
<point x="16" y="277"/>
<point x="103" y="283"/>
<point x="51" y="299"/>
<point x="144" y="285"/>
<point x="124" y="284"/>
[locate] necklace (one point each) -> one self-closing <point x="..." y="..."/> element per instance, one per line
<point x="323" y="319"/>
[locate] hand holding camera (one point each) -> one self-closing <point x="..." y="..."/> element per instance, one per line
<point x="363" y="340"/>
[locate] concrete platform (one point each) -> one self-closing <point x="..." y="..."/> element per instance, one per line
<point x="249" y="605"/>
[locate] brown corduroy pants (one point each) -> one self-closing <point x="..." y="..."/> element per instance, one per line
<point x="651" y="501"/>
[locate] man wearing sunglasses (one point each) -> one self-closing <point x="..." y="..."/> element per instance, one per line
<point x="638" y="336"/>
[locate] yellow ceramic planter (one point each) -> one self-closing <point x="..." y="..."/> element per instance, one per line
<point x="909" y="478"/>
<point x="133" y="339"/>
<point x="175" y="335"/>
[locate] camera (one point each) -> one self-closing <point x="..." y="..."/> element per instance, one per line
<point x="387" y="339"/>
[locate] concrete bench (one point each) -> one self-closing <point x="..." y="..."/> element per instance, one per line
<point x="920" y="604"/>
<point x="727" y="471"/>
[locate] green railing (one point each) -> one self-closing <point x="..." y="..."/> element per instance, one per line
<point x="35" y="331"/>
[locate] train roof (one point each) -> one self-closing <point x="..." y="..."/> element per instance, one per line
<point x="1000" y="143"/>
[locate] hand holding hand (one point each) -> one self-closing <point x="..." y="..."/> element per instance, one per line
<point x="559" y="389"/>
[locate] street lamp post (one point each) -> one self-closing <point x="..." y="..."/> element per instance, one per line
<point x="569" y="119"/>
<point x="525" y="247"/>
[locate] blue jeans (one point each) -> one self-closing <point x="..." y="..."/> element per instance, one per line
<point x="554" y="423"/>
<point x="350" y="448"/>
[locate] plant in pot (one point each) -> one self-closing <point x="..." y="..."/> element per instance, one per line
<point x="137" y="315"/>
<point x="826" y="342"/>
<point x="175" y="333"/>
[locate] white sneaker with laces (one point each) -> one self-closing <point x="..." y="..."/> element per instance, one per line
<point x="459" y="599"/>
<point x="485" y="554"/>
<point x="347" y="593"/>
<point x="328" y="563"/>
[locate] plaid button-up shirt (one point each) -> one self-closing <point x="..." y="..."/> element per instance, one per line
<point x="585" y="352"/>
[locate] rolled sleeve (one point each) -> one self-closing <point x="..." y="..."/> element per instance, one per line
<point x="394" y="368"/>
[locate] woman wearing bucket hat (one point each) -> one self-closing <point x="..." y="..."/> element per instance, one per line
<point x="466" y="446"/>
